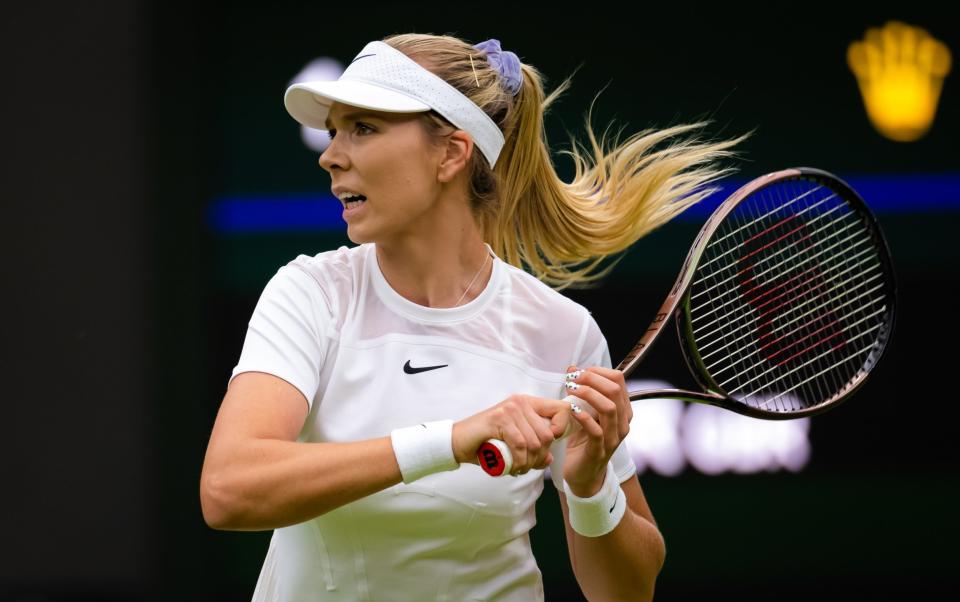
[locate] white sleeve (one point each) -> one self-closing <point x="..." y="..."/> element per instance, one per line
<point x="289" y="332"/>
<point x="599" y="355"/>
<point x="596" y="353"/>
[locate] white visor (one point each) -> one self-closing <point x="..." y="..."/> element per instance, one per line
<point x="382" y="78"/>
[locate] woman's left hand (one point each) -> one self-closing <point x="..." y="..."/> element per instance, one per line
<point x="590" y="448"/>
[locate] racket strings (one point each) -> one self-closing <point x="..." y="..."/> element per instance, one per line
<point x="784" y="251"/>
<point x="788" y="298"/>
<point x="716" y="372"/>
<point x="760" y="218"/>
<point x="824" y="320"/>
<point x="856" y="277"/>
<point x="808" y="273"/>
<point x="828" y="379"/>
<point x="826" y="371"/>
<point x="743" y="385"/>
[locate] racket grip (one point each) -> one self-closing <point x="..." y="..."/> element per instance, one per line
<point x="494" y="455"/>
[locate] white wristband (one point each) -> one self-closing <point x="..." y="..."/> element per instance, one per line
<point x="424" y="449"/>
<point x="601" y="513"/>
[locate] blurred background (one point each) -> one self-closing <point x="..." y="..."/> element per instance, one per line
<point x="153" y="183"/>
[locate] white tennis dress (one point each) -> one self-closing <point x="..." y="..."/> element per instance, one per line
<point x="333" y="327"/>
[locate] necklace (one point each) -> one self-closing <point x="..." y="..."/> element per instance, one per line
<point x="469" y="286"/>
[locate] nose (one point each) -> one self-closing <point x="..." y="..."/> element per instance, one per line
<point x="333" y="157"/>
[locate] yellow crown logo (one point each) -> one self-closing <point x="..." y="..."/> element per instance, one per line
<point x="900" y="71"/>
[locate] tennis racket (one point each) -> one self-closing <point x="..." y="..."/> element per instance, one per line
<point x="784" y="305"/>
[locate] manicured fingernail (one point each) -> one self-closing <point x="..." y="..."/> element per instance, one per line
<point x="573" y="375"/>
<point x="576" y="409"/>
<point x="571" y="386"/>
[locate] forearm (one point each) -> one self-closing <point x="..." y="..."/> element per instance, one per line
<point x="273" y="483"/>
<point x="621" y="565"/>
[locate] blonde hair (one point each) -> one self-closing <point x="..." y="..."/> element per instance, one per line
<point x="562" y="232"/>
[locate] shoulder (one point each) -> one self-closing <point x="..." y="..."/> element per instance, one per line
<point x="527" y="289"/>
<point x="334" y="273"/>
<point x="330" y="267"/>
<point x="554" y="320"/>
<point x="317" y="286"/>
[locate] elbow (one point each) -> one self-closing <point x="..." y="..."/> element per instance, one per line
<point x="659" y="552"/>
<point x="214" y="504"/>
<point x="641" y="591"/>
<point x="658" y="555"/>
<point x="646" y="577"/>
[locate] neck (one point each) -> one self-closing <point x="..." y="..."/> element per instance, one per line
<point x="435" y="268"/>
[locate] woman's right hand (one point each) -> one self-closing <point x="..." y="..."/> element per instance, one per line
<point x="527" y="424"/>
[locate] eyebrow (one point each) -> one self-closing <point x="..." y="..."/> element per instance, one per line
<point x="351" y="116"/>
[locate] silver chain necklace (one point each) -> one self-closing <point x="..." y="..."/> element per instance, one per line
<point x="469" y="286"/>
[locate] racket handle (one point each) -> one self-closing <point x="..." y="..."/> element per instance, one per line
<point x="494" y="456"/>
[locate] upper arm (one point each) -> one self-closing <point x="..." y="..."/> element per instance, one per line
<point x="289" y="334"/>
<point x="257" y="405"/>
<point x="262" y="406"/>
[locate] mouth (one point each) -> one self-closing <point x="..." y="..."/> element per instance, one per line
<point x="351" y="200"/>
<point x="354" y="202"/>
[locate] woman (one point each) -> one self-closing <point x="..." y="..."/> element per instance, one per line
<point x="371" y="375"/>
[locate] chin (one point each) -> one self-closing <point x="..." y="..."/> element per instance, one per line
<point x="358" y="237"/>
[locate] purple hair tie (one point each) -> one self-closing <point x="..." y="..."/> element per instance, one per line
<point x="505" y="62"/>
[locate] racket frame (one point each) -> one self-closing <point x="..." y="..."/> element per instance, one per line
<point x="677" y="305"/>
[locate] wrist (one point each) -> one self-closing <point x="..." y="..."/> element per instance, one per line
<point x="460" y="455"/>
<point x="424" y="449"/>
<point x="600" y="513"/>
<point x="587" y="488"/>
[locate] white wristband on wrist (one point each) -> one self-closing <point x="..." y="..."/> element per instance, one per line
<point x="424" y="449"/>
<point x="601" y="513"/>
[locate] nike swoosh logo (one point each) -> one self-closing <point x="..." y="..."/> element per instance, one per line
<point x="361" y="57"/>
<point x="411" y="370"/>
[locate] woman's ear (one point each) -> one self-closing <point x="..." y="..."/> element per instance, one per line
<point x="458" y="149"/>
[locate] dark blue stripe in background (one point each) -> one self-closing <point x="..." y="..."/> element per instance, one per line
<point x="901" y="193"/>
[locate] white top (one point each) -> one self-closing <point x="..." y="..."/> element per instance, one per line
<point x="332" y="326"/>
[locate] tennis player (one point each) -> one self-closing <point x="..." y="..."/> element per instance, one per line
<point x="370" y="375"/>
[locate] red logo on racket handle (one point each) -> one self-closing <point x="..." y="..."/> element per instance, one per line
<point x="491" y="460"/>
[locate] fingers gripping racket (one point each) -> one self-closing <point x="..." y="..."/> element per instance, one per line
<point x="784" y="304"/>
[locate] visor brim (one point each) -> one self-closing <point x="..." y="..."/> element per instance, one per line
<point x="309" y="102"/>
